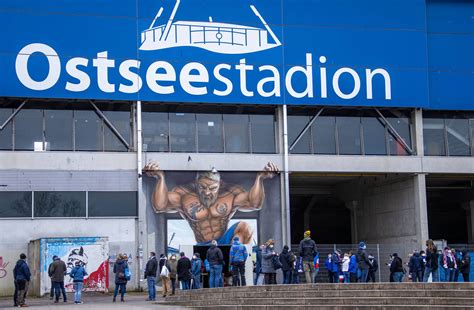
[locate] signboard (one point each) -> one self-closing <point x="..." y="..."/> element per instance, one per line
<point x="311" y="52"/>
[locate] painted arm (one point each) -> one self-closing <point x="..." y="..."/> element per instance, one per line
<point x="162" y="199"/>
<point x="254" y="198"/>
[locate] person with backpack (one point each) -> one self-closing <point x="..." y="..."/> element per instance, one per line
<point x="21" y="276"/>
<point x="120" y="270"/>
<point x="449" y="265"/>
<point x="286" y="259"/>
<point x="77" y="274"/>
<point x="150" y="275"/>
<point x="237" y="258"/>
<point x="165" y="275"/>
<point x="362" y="263"/>
<point x="396" y="268"/>
<point x="431" y="266"/>
<point x="216" y="263"/>
<point x="415" y="266"/>
<point x="352" y="267"/>
<point x="465" y="267"/>
<point x="269" y="256"/>
<point x="373" y="267"/>
<point x="184" y="271"/>
<point x="307" y="250"/>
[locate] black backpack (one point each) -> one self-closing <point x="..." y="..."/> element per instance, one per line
<point x="276" y="262"/>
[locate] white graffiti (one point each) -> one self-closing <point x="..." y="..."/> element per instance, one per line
<point x="213" y="36"/>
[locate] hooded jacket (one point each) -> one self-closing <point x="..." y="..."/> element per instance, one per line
<point x="362" y="259"/>
<point x="416" y="263"/>
<point x="78" y="273"/>
<point x="353" y="264"/>
<point x="267" y="264"/>
<point x="286" y="259"/>
<point x="307" y="249"/>
<point x="196" y="266"/>
<point x="238" y="253"/>
<point x="119" y="270"/>
<point x="21" y="272"/>
<point x="184" y="269"/>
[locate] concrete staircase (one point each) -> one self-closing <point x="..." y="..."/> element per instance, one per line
<point x="331" y="296"/>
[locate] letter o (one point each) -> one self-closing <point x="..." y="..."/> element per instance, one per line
<point x="337" y="89"/>
<point x="54" y="65"/>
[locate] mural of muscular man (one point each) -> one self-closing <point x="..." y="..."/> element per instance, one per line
<point x="208" y="204"/>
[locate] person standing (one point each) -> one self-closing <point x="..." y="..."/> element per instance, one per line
<point x="329" y="267"/>
<point x="165" y="275"/>
<point x="268" y="268"/>
<point x="258" y="264"/>
<point x="120" y="266"/>
<point x="50" y="274"/>
<point x="58" y="271"/>
<point x="458" y="256"/>
<point x="352" y="267"/>
<point x="362" y="263"/>
<point x="216" y="260"/>
<point x="396" y="268"/>
<point x="345" y="267"/>
<point x="307" y="250"/>
<point x="150" y="275"/>
<point x="373" y="267"/>
<point x="415" y="267"/>
<point x="21" y="276"/>
<point x="286" y="259"/>
<point x="77" y="274"/>
<point x="196" y="266"/>
<point x="184" y="271"/>
<point x="465" y="267"/>
<point x="173" y="271"/>
<point x="449" y="265"/>
<point x="237" y="258"/>
<point x="431" y="262"/>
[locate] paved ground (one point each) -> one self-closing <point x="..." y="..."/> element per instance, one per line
<point x="92" y="301"/>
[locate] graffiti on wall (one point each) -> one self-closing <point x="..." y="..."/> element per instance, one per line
<point x="3" y="268"/>
<point x="92" y="253"/>
<point x="208" y="200"/>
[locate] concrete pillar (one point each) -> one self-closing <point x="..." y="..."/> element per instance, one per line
<point x="469" y="207"/>
<point x="352" y="206"/>
<point x="421" y="211"/>
<point x="417" y="131"/>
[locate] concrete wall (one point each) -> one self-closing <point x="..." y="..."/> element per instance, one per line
<point x="16" y="234"/>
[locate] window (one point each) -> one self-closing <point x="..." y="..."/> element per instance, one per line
<point x="113" y="204"/>
<point x="60" y="204"/>
<point x="433" y="136"/>
<point x="15" y="204"/>
<point x="155" y="127"/>
<point x="402" y="126"/>
<point x="263" y="133"/>
<point x="29" y="130"/>
<point x="58" y="130"/>
<point x="348" y="129"/>
<point x="458" y="137"/>
<point x="88" y="131"/>
<point x="324" y="135"/>
<point x="210" y="138"/>
<point x="296" y="124"/>
<point x="374" y="136"/>
<point x="183" y="132"/>
<point x="6" y="135"/>
<point x="121" y="121"/>
<point x="236" y="129"/>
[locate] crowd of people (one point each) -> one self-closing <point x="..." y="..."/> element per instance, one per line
<point x="350" y="267"/>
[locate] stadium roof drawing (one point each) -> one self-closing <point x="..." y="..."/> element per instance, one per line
<point x="223" y="38"/>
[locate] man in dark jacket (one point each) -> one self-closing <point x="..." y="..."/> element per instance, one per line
<point x="308" y="250"/>
<point x="373" y="267"/>
<point x="286" y="259"/>
<point x="51" y="293"/>
<point x="215" y="259"/>
<point x="362" y="263"/>
<point x="416" y="267"/>
<point x="237" y="258"/>
<point x="465" y="268"/>
<point x="21" y="276"/>
<point x="150" y="275"/>
<point x="58" y="271"/>
<point x="396" y="268"/>
<point x="184" y="271"/>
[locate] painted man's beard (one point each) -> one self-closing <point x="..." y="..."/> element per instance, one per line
<point x="207" y="201"/>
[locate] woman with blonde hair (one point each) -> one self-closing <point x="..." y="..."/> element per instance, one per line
<point x="268" y="268"/>
<point x="431" y="266"/>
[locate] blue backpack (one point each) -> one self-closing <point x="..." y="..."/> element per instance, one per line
<point x="128" y="274"/>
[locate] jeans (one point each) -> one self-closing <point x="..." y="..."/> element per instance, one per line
<point x="173" y="285"/>
<point x="151" y="281"/>
<point x="362" y="275"/>
<point x="78" y="291"/>
<point x="353" y="277"/>
<point x="59" y="289"/>
<point x="238" y="269"/>
<point x="122" y="287"/>
<point x="434" y="273"/>
<point x="286" y="276"/>
<point x="416" y="276"/>
<point x="186" y="284"/>
<point x="347" y="277"/>
<point x="51" y="293"/>
<point x="270" y="278"/>
<point x="15" y="294"/>
<point x="215" y="276"/>
<point x="371" y="276"/>
<point x="448" y="274"/>
<point x="397" y="276"/>
<point x="316" y="271"/>
<point x="196" y="281"/>
<point x="465" y="277"/>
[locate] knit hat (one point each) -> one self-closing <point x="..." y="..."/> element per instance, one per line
<point x="307" y="234"/>
<point x="236" y="238"/>
<point x="362" y="245"/>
